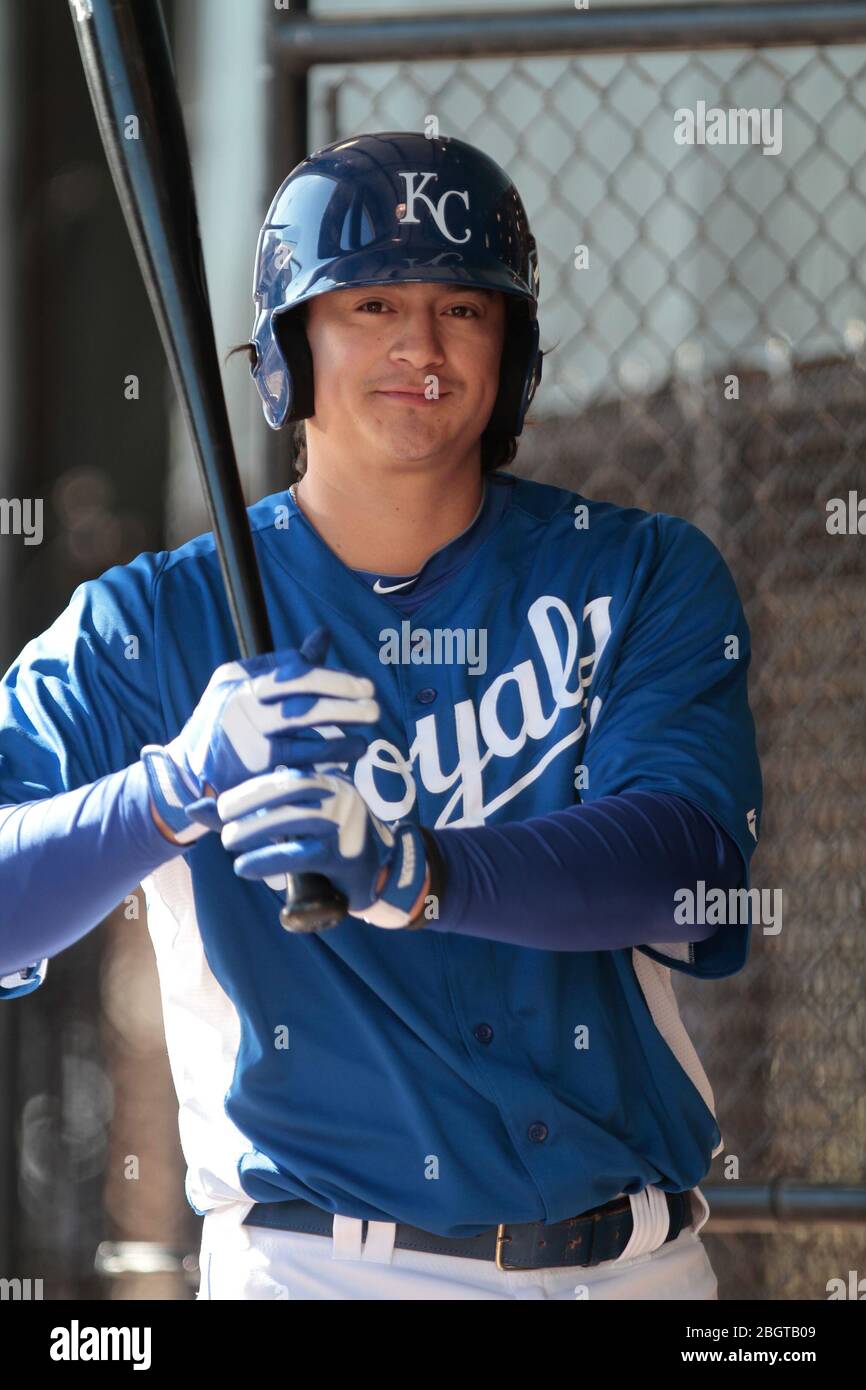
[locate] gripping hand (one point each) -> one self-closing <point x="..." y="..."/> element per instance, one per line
<point x="254" y="715"/>
<point x="332" y="831"/>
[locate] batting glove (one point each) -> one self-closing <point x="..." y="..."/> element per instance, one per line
<point x="254" y="715"/>
<point x="332" y="831"/>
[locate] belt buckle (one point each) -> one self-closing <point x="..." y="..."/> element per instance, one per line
<point x="501" y="1238"/>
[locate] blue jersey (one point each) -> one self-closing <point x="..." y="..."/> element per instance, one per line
<point x="559" y="650"/>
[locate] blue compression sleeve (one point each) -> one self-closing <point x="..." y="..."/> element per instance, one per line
<point x="65" y="862"/>
<point x="593" y="877"/>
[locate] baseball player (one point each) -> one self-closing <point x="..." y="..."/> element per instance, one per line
<point x="508" y="723"/>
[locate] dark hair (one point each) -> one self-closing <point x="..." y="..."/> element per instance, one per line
<point x="498" y="449"/>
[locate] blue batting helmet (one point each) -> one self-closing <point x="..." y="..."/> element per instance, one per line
<point x="394" y="207"/>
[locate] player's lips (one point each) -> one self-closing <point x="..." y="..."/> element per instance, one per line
<point x="412" y="397"/>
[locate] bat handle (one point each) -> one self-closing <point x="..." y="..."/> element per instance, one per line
<point x="311" y="904"/>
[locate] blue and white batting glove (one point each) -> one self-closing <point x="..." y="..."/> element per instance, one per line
<point x="332" y="831"/>
<point x="254" y="715"/>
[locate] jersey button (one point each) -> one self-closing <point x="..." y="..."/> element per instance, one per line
<point x="537" y="1132"/>
<point x="483" y="1032"/>
<point x="426" y="696"/>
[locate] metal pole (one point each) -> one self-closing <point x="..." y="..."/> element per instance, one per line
<point x="768" y="1207"/>
<point x="302" y="43"/>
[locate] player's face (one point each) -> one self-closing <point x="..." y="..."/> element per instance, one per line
<point x="372" y="348"/>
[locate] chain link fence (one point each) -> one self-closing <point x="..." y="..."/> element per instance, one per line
<point x="711" y="362"/>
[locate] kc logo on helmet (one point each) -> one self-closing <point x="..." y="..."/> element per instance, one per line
<point x="437" y="210"/>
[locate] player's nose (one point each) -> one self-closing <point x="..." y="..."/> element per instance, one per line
<point x="418" y="338"/>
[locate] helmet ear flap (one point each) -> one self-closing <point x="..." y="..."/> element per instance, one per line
<point x="291" y="335"/>
<point x="517" y="347"/>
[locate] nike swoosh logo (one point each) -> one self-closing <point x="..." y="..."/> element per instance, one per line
<point x="380" y="588"/>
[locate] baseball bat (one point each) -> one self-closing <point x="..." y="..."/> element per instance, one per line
<point x="130" y="75"/>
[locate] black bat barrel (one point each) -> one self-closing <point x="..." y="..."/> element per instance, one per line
<point x="127" y="62"/>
